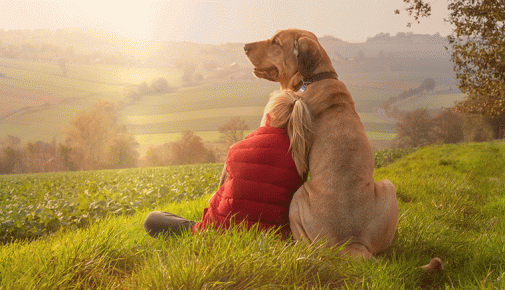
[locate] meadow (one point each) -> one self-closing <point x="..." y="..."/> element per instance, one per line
<point x="451" y="200"/>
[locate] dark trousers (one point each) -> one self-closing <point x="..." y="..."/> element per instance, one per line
<point x="164" y="223"/>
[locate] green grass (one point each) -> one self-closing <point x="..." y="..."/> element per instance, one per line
<point x="451" y="201"/>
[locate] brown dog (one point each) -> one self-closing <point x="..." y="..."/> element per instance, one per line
<point x="341" y="203"/>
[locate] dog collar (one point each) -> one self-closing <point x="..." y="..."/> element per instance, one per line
<point x="315" y="78"/>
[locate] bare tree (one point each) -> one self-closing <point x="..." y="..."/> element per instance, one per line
<point x="416" y="129"/>
<point x="234" y="130"/>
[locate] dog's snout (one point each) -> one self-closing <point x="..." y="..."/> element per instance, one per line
<point x="247" y="47"/>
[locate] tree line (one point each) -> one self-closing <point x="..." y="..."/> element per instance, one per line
<point x="54" y="53"/>
<point x="425" y="127"/>
<point x="97" y="140"/>
<point x="390" y="105"/>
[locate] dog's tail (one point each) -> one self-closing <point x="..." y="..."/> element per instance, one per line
<point x="286" y="110"/>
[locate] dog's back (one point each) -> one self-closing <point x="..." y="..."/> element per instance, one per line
<point x="339" y="202"/>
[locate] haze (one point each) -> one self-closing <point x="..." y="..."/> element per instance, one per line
<point x="221" y="21"/>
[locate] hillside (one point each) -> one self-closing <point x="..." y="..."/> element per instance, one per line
<point x="451" y="202"/>
<point x="211" y="83"/>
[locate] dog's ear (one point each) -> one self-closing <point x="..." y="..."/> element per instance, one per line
<point x="308" y="54"/>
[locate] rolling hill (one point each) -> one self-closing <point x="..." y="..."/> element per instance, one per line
<point x="212" y="83"/>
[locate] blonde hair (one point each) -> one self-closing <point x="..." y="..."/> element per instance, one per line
<point x="286" y="110"/>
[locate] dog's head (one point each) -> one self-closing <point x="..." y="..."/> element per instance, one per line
<point x="288" y="57"/>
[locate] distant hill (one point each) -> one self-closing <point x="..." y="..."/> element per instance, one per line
<point x="54" y="74"/>
<point x="383" y="52"/>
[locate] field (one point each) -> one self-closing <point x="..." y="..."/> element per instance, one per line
<point x="432" y="101"/>
<point x="37" y="102"/>
<point x="451" y="201"/>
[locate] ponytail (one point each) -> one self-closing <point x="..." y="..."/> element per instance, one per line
<point x="286" y="110"/>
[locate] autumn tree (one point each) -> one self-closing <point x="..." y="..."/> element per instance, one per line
<point x="159" y="155"/>
<point x="90" y="134"/>
<point x="40" y="157"/>
<point x="10" y="155"/>
<point x="189" y="149"/>
<point x="477" y="128"/>
<point x="448" y="127"/>
<point x="416" y="129"/>
<point x="478" y="52"/>
<point x="234" y="130"/>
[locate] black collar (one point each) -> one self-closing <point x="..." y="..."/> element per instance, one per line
<point x="318" y="77"/>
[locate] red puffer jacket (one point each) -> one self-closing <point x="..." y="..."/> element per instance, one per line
<point x="260" y="183"/>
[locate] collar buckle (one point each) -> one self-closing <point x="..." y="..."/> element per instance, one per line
<point x="315" y="78"/>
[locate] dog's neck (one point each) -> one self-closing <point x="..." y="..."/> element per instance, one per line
<point x="314" y="78"/>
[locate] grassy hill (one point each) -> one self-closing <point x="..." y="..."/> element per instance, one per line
<point x="451" y="200"/>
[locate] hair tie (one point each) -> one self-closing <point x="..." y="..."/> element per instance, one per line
<point x="291" y="95"/>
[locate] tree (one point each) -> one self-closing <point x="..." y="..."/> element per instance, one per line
<point x="448" y="127"/>
<point x="63" y="66"/>
<point x="477" y="129"/>
<point x="416" y="129"/>
<point x="160" y="86"/>
<point x="88" y="134"/>
<point x="428" y="85"/>
<point x="189" y="149"/>
<point x="98" y="141"/>
<point x="418" y="8"/>
<point x="159" y="155"/>
<point x="121" y="152"/>
<point x="10" y="155"/>
<point x="478" y="43"/>
<point x="234" y="130"/>
<point x="478" y="52"/>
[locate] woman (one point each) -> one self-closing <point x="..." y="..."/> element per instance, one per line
<point x="261" y="174"/>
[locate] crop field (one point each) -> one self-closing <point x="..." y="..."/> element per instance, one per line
<point x="34" y="204"/>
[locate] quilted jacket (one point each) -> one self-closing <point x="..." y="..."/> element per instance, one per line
<point x="260" y="183"/>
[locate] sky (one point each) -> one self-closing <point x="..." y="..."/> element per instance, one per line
<point x="222" y="21"/>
